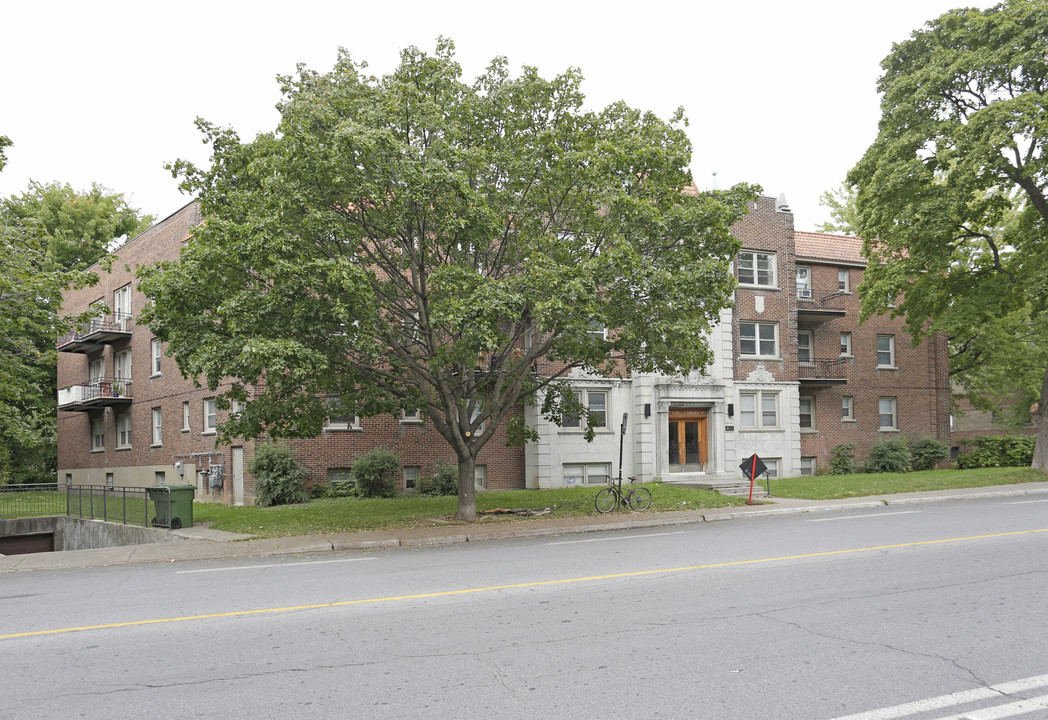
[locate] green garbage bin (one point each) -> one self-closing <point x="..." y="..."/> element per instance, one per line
<point x="173" y="504"/>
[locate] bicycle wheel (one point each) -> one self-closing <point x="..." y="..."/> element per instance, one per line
<point x="607" y="500"/>
<point x="640" y="498"/>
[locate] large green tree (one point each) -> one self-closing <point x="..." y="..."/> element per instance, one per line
<point x="48" y="237"/>
<point x="952" y="201"/>
<point x="417" y="241"/>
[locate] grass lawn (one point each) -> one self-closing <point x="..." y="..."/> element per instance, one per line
<point x="829" y="487"/>
<point x="333" y="515"/>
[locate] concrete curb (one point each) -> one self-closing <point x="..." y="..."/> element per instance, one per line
<point x="204" y="544"/>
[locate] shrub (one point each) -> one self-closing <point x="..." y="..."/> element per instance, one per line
<point x="997" y="451"/>
<point x="278" y="476"/>
<point x="841" y="460"/>
<point x="927" y="453"/>
<point x="374" y="474"/>
<point x="889" y="456"/>
<point x="443" y="482"/>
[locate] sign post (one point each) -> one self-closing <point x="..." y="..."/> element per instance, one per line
<point x="752" y="467"/>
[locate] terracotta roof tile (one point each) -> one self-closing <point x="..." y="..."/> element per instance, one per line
<point x="823" y="246"/>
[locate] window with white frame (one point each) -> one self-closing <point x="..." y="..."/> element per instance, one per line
<point x="185" y="416"/>
<point x="122" y="307"/>
<point x="847" y="408"/>
<point x="123" y="431"/>
<point x="156" y="352"/>
<point x="96" y="369"/>
<point x="210" y="416"/>
<point x="846" y="344"/>
<point x="411" y="477"/>
<point x="758" y="409"/>
<point x="843" y="283"/>
<point x="597" y="331"/>
<point x="807" y="418"/>
<point x="804" y="282"/>
<point x="158" y="427"/>
<point x="338" y="418"/>
<point x="121" y="372"/>
<point x="98" y="434"/>
<point x="480" y="476"/>
<point x="587" y="474"/>
<point x="885" y="351"/>
<point x="773" y="467"/>
<point x="411" y="416"/>
<point x="888" y="417"/>
<point x="596" y="402"/>
<point x="805" y="347"/>
<point x="758" y="339"/>
<point x="807" y="466"/>
<point x="756" y="268"/>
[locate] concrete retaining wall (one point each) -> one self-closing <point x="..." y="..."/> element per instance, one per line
<point x="78" y="534"/>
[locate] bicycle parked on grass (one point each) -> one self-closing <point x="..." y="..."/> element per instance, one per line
<point x="611" y="497"/>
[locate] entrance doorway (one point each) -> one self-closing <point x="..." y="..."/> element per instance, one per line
<point x="689" y="440"/>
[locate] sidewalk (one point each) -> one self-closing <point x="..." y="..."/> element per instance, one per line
<point x="201" y="543"/>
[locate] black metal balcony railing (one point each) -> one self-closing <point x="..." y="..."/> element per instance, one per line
<point x="823" y="369"/>
<point x="91" y="333"/>
<point x="810" y="299"/>
<point x="99" y="392"/>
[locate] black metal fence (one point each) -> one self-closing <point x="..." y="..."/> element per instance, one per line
<point x="823" y="369"/>
<point x="150" y="507"/>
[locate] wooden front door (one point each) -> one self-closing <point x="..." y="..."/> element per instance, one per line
<point x="689" y="440"/>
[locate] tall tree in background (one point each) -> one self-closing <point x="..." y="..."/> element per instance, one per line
<point x="952" y="196"/>
<point x="417" y="242"/>
<point x="48" y="237"/>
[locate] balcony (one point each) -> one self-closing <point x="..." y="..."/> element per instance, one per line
<point x="96" y="332"/>
<point x="98" y="393"/>
<point x="823" y="372"/>
<point x="817" y="306"/>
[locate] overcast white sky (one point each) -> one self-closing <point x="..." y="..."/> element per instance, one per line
<point x="778" y="93"/>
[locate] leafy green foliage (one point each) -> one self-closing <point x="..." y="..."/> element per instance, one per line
<point x="889" y="456"/>
<point x="417" y="241"/>
<point x="996" y="451"/>
<point x="375" y="474"/>
<point x="951" y="198"/>
<point x="443" y="482"/>
<point x="843" y="213"/>
<point x="278" y="475"/>
<point x="927" y="453"/>
<point x="842" y="459"/>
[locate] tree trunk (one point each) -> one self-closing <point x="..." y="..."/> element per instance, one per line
<point x="467" y="496"/>
<point x="1040" y="448"/>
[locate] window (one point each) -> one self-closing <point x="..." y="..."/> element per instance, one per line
<point x="597" y="331"/>
<point x="411" y="416"/>
<point x="338" y="418"/>
<point x="758" y="339"/>
<point x="848" y="409"/>
<point x="210" y="416"/>
<point x="846" y="345"/>
<point x="411" y="476"/>
<point x="156" y="351"/>
<point x="96" y="369"/>
<point x="121" y="372"/>
<point x="885" y="351"/>
<point x="98" y="434"/>
<point x="160" y="477"/>
<point x="756" y="268"/>
<point x="591" y="474"/>
<point x="158" y="426"/>
<point x="480" y="476"/>
<point x="807" y="466"/>
<point x="596" y="402"/>
<point x="807" y="413"/>
<point x="804" y="282"/>
<point x="842" y="280"/>
<point x="123" y="430"/>
<point x="185" y="416"/>
<point x="773" y="467"/>
<point x="122" y="307"/>
<point x="340" y="476"/>
<point x="889" y="420"/>
<point x="758" y="410"/>
<point x="805" y="343"/>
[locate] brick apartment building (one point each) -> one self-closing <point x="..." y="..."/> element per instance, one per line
<point x="793" y="376"/>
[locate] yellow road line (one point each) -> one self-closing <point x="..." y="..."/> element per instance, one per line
<point x="536" y="583"/>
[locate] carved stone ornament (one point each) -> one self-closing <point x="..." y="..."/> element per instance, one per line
<point x="760" y="374"/>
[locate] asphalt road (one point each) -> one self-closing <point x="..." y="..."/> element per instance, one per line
<point x="814" y="617"/>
